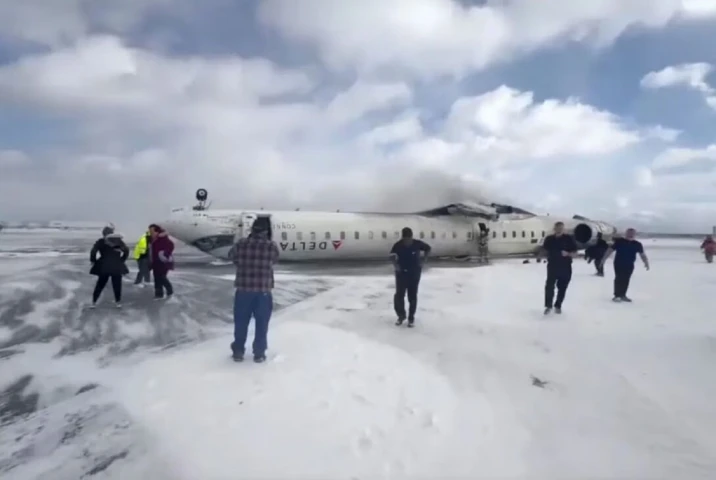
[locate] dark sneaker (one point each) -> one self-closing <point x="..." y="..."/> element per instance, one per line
<point x="547" y="310"/>
<point x="411" y="322"/>
<point x="626" y="299"/>
<point x="400" y="321"/>
<point x="259" y="358"/>
<point x="236" y="354"/>
<point x="617" y="299"/>
<point x="557" y="310"/>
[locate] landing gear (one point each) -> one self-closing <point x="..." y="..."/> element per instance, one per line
<point x="201" y="196"/>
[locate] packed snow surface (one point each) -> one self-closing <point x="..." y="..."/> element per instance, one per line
<point x="484" y="386"/>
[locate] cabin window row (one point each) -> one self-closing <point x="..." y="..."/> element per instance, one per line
<point x="312" y="236"/>
<point x="514" y="234"/>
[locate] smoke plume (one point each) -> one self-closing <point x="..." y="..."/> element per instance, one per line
<point x="431" y="188"/>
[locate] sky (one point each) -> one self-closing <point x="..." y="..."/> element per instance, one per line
<point x="119" y="111"/>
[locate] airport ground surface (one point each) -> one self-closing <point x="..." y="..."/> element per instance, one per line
<point x="484" y="386"/>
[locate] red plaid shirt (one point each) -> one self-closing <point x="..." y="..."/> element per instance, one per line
<point x="254" y="258"/>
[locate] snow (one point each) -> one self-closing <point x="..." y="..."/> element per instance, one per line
<point x="483" y="387"/>
<point x="354" y="409"/>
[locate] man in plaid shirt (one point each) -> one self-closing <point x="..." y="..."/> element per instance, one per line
<point x="254" y="258"/>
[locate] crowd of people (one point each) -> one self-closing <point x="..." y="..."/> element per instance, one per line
<point x="560" y="249"/>
<point x="255" y="256"/>
<point x="153" y="253"/>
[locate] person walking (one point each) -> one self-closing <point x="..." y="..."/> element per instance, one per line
<point x="626" y="248"/>
<point x="560" y="249"/>
<point x="110" y="265"/>
<point x="162" y="261"/>
<point x="598" y="250"/>
<point x="709" y="248"/>
<point x="254" y="258"/>
<point x="141" y="256"/>
<point x="408" y="265"/>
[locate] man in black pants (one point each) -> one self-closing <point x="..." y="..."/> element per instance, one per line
<point x="408" y="267"/>
<point x="560" y="249"/>
<point x="627" y="248"/>
<point x="598" y="251"/>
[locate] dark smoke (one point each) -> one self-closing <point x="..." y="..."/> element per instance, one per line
<point x="431" y="188"/>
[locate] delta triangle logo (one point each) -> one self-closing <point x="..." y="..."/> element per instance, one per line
<point x="337" y="244"/>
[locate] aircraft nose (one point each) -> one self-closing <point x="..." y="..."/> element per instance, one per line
<point x="178" y="223"/>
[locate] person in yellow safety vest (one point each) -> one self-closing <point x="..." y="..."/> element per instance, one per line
<point x="142" y="256"/>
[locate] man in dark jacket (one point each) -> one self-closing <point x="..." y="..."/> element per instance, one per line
<point x="408" y="265"/>
<point x="162" y="258"/>
<point x="113" y="254"/>
<point x="560" y="249"/>
<point x="626" y="248"/>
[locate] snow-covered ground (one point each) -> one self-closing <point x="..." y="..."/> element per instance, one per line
<point x="485" y="386"/>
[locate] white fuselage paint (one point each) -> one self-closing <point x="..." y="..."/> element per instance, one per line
<point x="311" y="236"/>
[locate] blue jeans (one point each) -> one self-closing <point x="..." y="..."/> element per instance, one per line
<point x="260" y="306"/>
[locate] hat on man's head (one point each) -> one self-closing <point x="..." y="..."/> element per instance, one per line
<point x="108" y="230"/>
<point x="258" y="227"/>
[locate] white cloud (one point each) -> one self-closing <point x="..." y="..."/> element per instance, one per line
<point x="363" y="97"/>
<point x="643" y="177"/>
<point x="101" y="72"/>
<point x="664" y="134"/>
<point x="441" y="37"/>
<point x="143" y="129"/>
<point x="209" y="125"/>
<point x="689" y="75"/>
<point x="508" y="122"/>
<point x="52" y="23"/>
<point x="403" y="129"/>
<point x="692" y="75"/>
<point x="699" y="8"/>
<point x="679" y="157"/>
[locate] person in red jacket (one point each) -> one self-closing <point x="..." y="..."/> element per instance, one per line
<point x="162" y="258"/>
<point x="709" y="248"/>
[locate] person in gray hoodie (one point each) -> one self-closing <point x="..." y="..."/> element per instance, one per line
<point x="110" y="265"/>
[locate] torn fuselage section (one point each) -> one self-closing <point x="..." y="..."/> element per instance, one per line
<point x="467" y="209"/>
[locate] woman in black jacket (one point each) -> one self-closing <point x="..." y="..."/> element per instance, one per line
<point x="113" y="254"/>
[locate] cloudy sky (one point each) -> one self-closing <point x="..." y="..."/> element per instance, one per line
<point x="120" y="110"/>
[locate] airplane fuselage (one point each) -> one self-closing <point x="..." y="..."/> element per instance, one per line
<point x="316" y="236"/>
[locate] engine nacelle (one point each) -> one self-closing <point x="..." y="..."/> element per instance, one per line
<point x="585" y="232"/>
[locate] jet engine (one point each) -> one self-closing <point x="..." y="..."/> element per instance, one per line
<point x="585" y="232"/>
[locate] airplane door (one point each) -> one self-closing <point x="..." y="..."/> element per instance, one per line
<point x="245" y="223"/>
<point x="482" y="242"/>
<point x="248" y="219"/>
